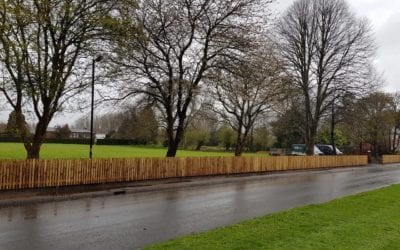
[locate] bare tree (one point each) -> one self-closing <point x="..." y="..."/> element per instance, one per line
<point x="377" y="120"/>
<point x="327" y="51"/>
<point x="245" y="89"/>
<point x="181" y="40"/>
<point x="395" y="140"/>
<point x="44" y="47"/>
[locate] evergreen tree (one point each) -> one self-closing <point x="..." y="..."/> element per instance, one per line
<point x="12" y="128"/>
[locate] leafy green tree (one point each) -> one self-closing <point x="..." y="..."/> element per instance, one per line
<point x="146" y="127"/>
<point x="202" y="127"/>
<point x="3" y="127"/>
<point x="226" y="137"/>
<point x="136" y="124"/>
<point x="288" y="128"/>
<point x="196" y="138"/>
<point x="261" y="139"/>
<point x="324" y="137"/>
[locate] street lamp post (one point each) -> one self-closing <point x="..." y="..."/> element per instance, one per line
<point x="97" y="59"/>
<point x="333" y="121"/>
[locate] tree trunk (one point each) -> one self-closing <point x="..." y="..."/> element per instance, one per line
<point x="239" y="144"/>
<point x="238" y="148"/>
<point x="174" y="141"/>
<point x="310" y="141"/>
<point x="309" y="138"/>
<point x="251" y="146"/>
<point x="333" y="129"/>
<point x="172" y="148"/>
<point x="32" y="148"/>
<point x="33" y="152"/>
<point x="394" y="146"/>
<point x="199" y="145"/>
<point x="172" y="144"/>
<point x="375" y="148"/>
<point x="309" y="147"/>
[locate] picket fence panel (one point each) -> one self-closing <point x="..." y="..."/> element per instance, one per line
<point x="386" y="159"/>
<point x="23" y="174"/>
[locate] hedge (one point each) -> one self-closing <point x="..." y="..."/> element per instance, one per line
<point x="82" y="141"/>
<point x="10" y="139"/>
<point x="68" y="141"/>
<point x="120" y="142"/>
<point x="49" y="140"/>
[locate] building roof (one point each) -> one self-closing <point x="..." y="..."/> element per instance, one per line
<point x="80" y="130"/>
<point x="73" y="130"/>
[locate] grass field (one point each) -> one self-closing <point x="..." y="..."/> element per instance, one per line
<point x="52" y="151"/>
<point x="366" y="221"/>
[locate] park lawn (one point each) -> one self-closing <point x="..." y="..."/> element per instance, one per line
<point x="369" y="220"/>
<point x="53" y="151"/>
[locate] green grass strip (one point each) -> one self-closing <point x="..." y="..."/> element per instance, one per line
<point x="74" y="151"/>
<point x="368" y="220"/>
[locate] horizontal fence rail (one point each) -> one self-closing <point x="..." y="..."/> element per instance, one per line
<point x="22" y="174"/>
<point x="386" y="159"/>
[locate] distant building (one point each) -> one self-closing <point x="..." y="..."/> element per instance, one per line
<point x="81" y="134"/>
<point x="100" y="136"/>
<point x="51" y="133"/>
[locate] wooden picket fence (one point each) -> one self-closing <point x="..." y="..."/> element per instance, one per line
<point x="386" y="159"/>
<point x="22" y="174"/>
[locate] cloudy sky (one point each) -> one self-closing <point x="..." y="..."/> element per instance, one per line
<point x="385" y="19"/>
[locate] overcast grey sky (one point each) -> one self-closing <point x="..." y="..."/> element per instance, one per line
<point x="385" y="19"/>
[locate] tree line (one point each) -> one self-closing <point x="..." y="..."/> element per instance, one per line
<point x="230" y="58"/>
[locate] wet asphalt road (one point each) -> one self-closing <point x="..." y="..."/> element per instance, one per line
<point x="134" y="220"/>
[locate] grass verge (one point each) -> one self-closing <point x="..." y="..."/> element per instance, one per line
<point x="369" y="220"/>
<point x="53" y="151"/>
